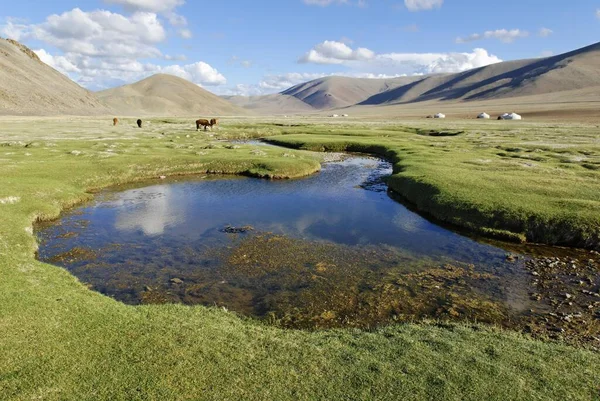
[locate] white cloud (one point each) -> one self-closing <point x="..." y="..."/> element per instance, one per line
<point x="100" y="33"/>
<point x="156" y="6"/>
<point x="545" y="32"/>
<point x="332" y="52"/>
<point x="200" y="73"/>
<point x="504" y="35"/>
<point x="598" y="13"/>
<point x="100" y="49"/>
<point x="366" y="61"/>
<point x="59" y="63"/>
<point x="185" y="33"/>
<point x="176" y="19"/>
<point x="547" y="53"/>
<point x="423" y="5"/>
<point x="178" y="57"/>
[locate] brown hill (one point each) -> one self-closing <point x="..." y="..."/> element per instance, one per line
<point x="166" y="95"/>
<point x="336" y="92"/>
<point x="30" y="87"/>
<point x="578" y="69"/>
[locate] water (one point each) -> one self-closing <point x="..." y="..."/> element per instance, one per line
<point x="329" y="250"/>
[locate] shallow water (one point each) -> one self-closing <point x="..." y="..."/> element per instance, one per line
<point x="329" y="250"/>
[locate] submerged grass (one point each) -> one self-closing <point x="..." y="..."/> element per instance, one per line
<point x="61" y="341"/>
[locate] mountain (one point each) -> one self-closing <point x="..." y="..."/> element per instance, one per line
<point x="30" y="87"/>
<point x="337" y="92"/>
<point x="167" y="95"/>
<point x="572" y="74"/>
<point x="575" y="70"/>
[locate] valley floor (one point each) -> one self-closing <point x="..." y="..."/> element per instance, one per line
<point x="516" y="180"/>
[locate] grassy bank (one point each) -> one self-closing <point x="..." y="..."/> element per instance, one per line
<point x="520" y="182"/>
<point x="61" y="341"/>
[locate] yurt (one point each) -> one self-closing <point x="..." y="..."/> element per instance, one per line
<point x="511" y="116"/>
<point x="439" y="115"/>
<point x="485" y="116"/>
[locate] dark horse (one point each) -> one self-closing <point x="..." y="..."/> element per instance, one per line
<point x="139" y="123"/>
<point x="203" y="122"/>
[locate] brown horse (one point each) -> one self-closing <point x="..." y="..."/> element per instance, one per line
<point x="139" y="123"/>
<point x="203" y="122"/>
<point x="115" y="121"/>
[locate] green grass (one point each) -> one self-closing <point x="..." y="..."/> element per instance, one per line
<point x="61" y="341"/>
<point x="522" y="182"/>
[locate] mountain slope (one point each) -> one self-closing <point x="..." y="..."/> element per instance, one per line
<point x="578" y="69"/>
<point x="336" y="92"/>
<point x="30" y="87"/>
<point x="163" y="95"/>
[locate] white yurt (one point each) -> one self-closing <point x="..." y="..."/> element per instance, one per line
<point x="511" y="116"/>
<point x="439" y="115"/>
<point x="484" y="116"/>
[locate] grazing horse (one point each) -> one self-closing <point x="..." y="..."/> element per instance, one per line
<point x="203" y="122"/>
<point x="214" y="121"/>
<point x="115" y="121"/>
<point x="139" y="123"/>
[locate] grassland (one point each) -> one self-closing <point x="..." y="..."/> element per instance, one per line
<point x="522" y="182"/>
<point x="61" y="341"/>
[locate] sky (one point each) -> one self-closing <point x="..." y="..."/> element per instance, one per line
<point x="243" y="47"/>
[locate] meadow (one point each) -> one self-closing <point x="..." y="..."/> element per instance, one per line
<point x="60" y="340"/>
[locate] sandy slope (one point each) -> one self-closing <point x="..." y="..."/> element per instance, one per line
<point x="30" y="87"/>
<point x="167" y="95"/>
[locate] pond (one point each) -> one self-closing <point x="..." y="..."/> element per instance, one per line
<point x="330" y="250"/>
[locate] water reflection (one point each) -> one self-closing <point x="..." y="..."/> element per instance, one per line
<point x="331" y="249"/>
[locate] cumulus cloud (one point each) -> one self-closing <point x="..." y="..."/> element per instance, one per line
<point x="199" y="73"/>
<point x="545" y="32"/>
<point x="100" y="49"/>
<point x="332" y="52"/>
<point x="100" y="73"/>
<point x="423" y="5"/>
<point x="366" y="61"/>
<point x="100" y="33"/>
<point x="504" y="35"/>
<point x="59" y="63"/>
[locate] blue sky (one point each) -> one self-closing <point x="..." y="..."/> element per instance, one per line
<point x="244" y="47"/>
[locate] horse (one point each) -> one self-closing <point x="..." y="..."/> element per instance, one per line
<point x="115" y="121"/>
<point x="139" y="123"/>
<point x="203" y="122"/>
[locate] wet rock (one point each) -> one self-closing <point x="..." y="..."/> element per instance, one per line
<point x="236" y="230"/>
